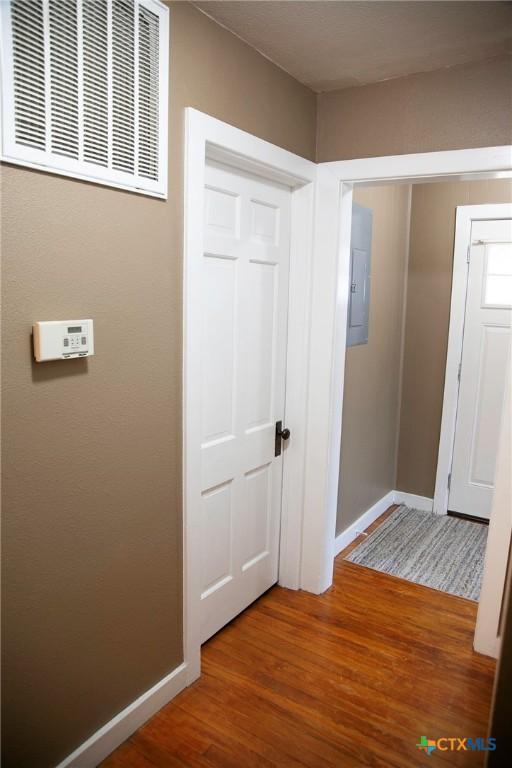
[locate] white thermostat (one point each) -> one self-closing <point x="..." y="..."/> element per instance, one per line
<point x="60" y="339"/>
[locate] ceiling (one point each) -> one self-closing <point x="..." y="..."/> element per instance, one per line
<point x="338" y="44"/>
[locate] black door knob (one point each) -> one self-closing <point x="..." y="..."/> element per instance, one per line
<point x="281" y="434"/>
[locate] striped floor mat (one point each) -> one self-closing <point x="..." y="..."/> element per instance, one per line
<point x="437" y="551"/>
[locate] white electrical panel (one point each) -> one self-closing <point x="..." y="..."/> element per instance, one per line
<point x="60" y="339"/>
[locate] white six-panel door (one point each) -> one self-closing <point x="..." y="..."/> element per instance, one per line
<point x="243" y="354"/>
<point x="484" y="365"/>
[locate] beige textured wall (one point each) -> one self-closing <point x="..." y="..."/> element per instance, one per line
<point x="427" y="321"/>
<point x="92" y="459"/>
<point x="92" y="449"/>
<point x="468" y="106"/>
<point x="372" y="374"/>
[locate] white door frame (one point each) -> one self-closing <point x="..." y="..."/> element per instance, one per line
<point x="330" y="303"/>
<point x="319" y="289"/>
<point x="488" y="631"/>
<point x="466" y="215"/>
<point x="208" y="138"/>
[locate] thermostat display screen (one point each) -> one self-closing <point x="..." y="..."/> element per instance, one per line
<point x="75" y="329"/>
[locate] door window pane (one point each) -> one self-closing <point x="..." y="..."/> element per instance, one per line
<point x="498" y="275"/>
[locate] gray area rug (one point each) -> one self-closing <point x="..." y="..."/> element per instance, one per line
<point x="437" y="551"/>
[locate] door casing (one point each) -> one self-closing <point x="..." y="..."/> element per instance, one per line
<point x="329" y="304"/>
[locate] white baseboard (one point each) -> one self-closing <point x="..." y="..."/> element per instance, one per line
<point x="110" y="736"/>
<point x="413" y="501"/>
<point x="347" y="536"/>
<point x="487" y="646"/>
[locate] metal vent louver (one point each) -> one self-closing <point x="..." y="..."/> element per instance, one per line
<point x="63" y="77"/>
<point x="148" y="94"/>
<point x="95" y="105"/>
<point x="123" y="85"/>
<point x="84" y="89"/>
<point x="27" y="40"/>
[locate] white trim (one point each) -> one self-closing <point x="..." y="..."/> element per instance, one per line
<point x="347" y="536"/>
<point x="413" y="501"/>
<point x="206" y="137"/>
<point x="291" y="569"/>
<point x="320" y="486"/>
<point x="426" y="166"/>
<point x="466" y="215"/>
<point x="117" y="730"/>
<point x="329" y="313"/>
<point x="492" y="598"/>
<point x="403" y="324"/>
<point x="80" y="176"/>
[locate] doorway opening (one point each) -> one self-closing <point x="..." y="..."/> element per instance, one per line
<point x="422" y="292"/>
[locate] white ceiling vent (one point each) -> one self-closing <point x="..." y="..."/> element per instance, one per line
<point x="85" y="88"/>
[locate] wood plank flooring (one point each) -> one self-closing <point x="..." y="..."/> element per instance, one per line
<point x="353" y="677"/>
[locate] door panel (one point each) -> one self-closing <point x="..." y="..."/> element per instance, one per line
<point x="261" y="331"/>
<point x="489" y="394"/>
<point x="216" y="552"/>
<point x="245" y="309"/>
<point x="484" y="364"/>
<point x="255" y="516"/>
<point x="218" y="345"/>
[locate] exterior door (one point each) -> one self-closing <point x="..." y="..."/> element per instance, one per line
<point x="484" y="367"/>
<point x="245" y="308"/>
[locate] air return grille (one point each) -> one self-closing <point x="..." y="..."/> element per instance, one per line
<point x="27" y="42"/>
<point x="95" y="80"/>
<point x="84" y="89"/>
<point x="148" y="94"/>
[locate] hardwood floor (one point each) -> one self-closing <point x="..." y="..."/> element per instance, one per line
<point x="353" y="677"/>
